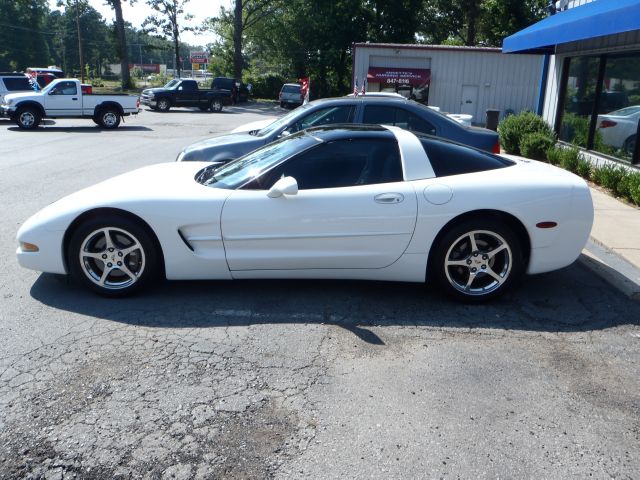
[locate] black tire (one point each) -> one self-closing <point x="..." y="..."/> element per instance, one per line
<point x="96" y="120"/>
<point x="203" y="108"/>
<point x="629" y="145"/>
<point x="215" y="105"/>
<point x="163" y="104"/>
<point x="129" y="263"/>
<point x="28" y="118"/>
<point x="109" y="118"/>
<point x="481" y="274"/>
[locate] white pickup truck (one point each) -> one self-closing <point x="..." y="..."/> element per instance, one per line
<point x="64" y="98"/>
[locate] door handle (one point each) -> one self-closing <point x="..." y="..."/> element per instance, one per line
<point x="74" y="99"/>
<point x="389" y="198"/>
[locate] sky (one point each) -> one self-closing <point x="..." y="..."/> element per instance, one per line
<point x="136" y="14"/>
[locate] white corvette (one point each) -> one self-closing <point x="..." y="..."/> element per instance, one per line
<point x="341" y="202"/>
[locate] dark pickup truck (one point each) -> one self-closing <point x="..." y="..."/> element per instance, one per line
<point x="181" y="92"/>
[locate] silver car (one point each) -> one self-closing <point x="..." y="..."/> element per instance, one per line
<point x="290" y="95"/>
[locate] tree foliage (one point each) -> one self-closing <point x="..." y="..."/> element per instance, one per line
<point x="168" y="22"/>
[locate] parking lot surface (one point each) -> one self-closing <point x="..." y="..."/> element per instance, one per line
<point x="294" y="379"/>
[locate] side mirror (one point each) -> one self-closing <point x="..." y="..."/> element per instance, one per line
<point x="180" y="88"/>
<point x="284" y="186"/>
<point x="285" y="133"/>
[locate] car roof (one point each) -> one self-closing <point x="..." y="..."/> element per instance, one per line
<point x="337" y="131"/>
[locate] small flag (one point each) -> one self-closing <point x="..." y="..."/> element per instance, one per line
<point x="355" y="88"/>
<point x="364" y="87"/>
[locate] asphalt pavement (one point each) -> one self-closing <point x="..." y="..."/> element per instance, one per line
<point x="295" y="379"/>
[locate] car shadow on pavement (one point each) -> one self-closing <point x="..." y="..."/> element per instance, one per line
<point x="93" y="129"/>
<point x="570" y="300"/>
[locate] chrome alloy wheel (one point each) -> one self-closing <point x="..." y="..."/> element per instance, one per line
<point x="478" y="262"/>
<point x="112" y="258"/>
<point x="110" y="119"/>
<point x="27" y="118"/>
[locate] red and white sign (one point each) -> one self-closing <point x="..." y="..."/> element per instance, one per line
<point x="399" y="76"/>
<point x="199" y="57"/>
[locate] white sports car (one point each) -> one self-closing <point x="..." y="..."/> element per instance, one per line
<point x="341" y="202"/>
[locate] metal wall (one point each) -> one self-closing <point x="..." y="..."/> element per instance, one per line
<point x="504" y="82"/>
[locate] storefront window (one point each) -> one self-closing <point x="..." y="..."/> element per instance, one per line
<point x="579" y="99"/>
<point x="615" y="103"/>
<point x="619" y="107"/>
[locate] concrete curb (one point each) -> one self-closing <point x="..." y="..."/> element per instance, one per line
<point x="612" y="268"/>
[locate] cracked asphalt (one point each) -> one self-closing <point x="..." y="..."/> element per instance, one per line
<point x="295" y="379"/>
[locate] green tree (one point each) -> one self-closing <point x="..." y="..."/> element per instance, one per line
<point x="121" y="41"/>
<point x="167" y="22"/>
<point x="23" y="34"/>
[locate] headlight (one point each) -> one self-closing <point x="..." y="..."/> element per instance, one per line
<point x="8" y="102"/>
<point x="151" y="95"/>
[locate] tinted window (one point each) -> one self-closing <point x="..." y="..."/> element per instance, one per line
<point x="189" y="86"/>
<point x="324" y="116"/>
<point x="14" y="84"/>
<point x="290" y="89"/>
<point x="385" y="115"/>
<point x="65" y="88"/>
<point x="342" y="163"/>
<point x="452" y="159"/>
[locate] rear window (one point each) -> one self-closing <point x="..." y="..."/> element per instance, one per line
<point x="453" y="159"/>
<point x="18" y="83"/>
<point x="291" y="89"/>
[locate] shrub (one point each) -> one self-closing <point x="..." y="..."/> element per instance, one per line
<point x="611" y="177"/>
<point x="554" y="155"/>
<point x="266" y="86"/>
<point x="514" y="127"/>
<point x="570" y="158"/>
<point x="634" y="188"/>
<point x="574" y="129"/>
<point x="623" y="188"/>
<point x="584" y="168"/>
<point x="535" y="145"/>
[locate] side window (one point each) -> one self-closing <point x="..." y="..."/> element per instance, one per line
<point x="14" y="84"/>
<point x="410" y="121"/>
<point x="342" y="163"/>
<point x="324" y="116"/>
<point x="379" y="115"/>
<point x="452" y="159"/>
<point x="399" y="117"/>
<point x="65" y="88"/>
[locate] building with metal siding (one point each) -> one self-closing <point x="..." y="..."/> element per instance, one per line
<point x="461" y="80"/>
<point x="592" y="90"/>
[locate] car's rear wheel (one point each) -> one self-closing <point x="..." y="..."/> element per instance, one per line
<point x="109" y="118"/>
<point x="164" y="105"/>
<point x="629" y="145"/>
<point x="113" y="256"/>
<point x="28" y="118"/>
<point x="477" y="260"/>
<point x="215" y="106"/>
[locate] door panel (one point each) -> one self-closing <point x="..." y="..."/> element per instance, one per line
<point x="64" y="101"/>
<point x="333" y="228"/>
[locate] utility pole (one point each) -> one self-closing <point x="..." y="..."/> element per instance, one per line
<point x="79" y="41"/>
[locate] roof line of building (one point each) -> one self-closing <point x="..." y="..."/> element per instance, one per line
<point x="404" y="46"/>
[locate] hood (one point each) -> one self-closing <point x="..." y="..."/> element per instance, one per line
<point x="165" y="183"/>
<point x="154" y="90"/>
<point x="225" y="148"/>
<point x="257" y="125"/>
<point x="21" y="96"/>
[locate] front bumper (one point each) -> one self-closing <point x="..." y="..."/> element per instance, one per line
<point x="7" y="111"/>
<point x="149" y="102"/>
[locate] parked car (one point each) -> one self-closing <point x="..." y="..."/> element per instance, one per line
<point x="411" y="207"/>
<point x="12" y="83"/>
<point x="366" y="109"/>
<point x="184" y="92"/>
<point x="229" y="84"/>
<point x="290" y="95"/>
<point x="619" y="128"/>
<point x="64" y="98"/>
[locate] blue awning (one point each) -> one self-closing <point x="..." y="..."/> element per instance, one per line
<point x="595" y="19"/>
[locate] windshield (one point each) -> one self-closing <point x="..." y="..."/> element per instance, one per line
<point x="238" y="172"/>
<point x="172" y="84"/>
<point x="282" y="121"/>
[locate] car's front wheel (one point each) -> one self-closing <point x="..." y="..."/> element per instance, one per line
<point x="113" y="256"/>
<point x="28" y="118"/>
<point x="164" y="105"/>
<point x="629" y="145"/>
<point x="477" y="260"/>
